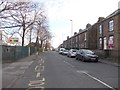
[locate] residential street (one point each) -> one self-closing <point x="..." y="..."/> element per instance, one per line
<point x="52" y="70"/>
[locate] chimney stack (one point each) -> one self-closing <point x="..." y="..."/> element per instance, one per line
<point x="75" y="33"/>
<point x="67" y="37"/>
<point x="100" y="19"/>
<point x="88" y="25"/>
<point x="80" y="30"/>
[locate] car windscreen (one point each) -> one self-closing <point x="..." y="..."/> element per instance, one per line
<point x="65" y="50"/>
<point x="73" y="50"/>
<point x="61" y="50"/>
<point x="88" y="52"/>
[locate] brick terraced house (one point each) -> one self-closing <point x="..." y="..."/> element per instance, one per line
<point x="102" y="37"/>
<point x="108" y="35"/>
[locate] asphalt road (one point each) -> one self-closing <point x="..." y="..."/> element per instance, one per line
<point x="52" y="70"/>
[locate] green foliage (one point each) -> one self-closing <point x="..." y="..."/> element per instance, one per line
<point x="40" y="49"/>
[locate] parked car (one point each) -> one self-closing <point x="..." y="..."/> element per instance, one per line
<point x="86" y="55"/>
<point x="61" y="50"/>
<point x="72" y="53"/>
<point x="56" y="49"/>
<point x="65" y="52"/>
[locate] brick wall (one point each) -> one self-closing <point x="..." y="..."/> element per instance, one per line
<point x="92" y="37"/>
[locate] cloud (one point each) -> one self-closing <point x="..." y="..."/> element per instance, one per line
<point x="80" y="11"/>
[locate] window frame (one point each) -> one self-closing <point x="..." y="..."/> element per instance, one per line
<point x="111" y="25"/>
<point x="100" y="29"/>
<point x="100" y="42"/>
<point x="112" y="41"/>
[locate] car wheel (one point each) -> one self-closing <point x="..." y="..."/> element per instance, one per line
<point x="96" y="61"/>
<point x="83" y="59"/>
<point x="76" y="58"/>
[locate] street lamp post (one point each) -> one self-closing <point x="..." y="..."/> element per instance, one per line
<point x="71" y="31"/>
<point x="71" y="27"/>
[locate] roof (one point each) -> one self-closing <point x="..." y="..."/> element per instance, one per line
<point x="113" y="14"/>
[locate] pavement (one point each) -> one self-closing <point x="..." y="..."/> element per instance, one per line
<point x="108" y="61"/>
<point x="11" y="72"/>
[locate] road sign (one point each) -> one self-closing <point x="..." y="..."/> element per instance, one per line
<point x="13" y="40"/>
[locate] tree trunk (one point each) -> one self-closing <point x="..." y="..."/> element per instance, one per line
<point x="23" y="38"/>
<point x="30" y="36"/>
<point x="36" y="44"/>
<point x="41" y="44"/>
<point x="23" y="34"/>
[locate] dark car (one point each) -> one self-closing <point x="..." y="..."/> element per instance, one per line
<point x="86" y="55"/>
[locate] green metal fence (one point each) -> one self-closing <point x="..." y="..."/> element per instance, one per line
<point x="12" y="53"/>
<point x="33" y="50"/>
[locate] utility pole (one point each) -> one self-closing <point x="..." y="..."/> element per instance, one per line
<point x="71" y="26"/>
<point x="71" y="31"/>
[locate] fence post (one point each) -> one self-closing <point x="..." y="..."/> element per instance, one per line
<point x="29" y="51"/>
<point x="1" y="67"/>
<point x="0" y="54"/>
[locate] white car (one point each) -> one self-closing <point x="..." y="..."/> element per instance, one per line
<point x="61" y="50"/>
<point x="65" y="52"/>
<point x="72" y="53"/>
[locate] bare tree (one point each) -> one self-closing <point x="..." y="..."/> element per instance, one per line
<point x="23" y="15"/>
<point x="42" y="30"/>
<point x="4" y="5"/>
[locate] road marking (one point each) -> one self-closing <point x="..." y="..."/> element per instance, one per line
<point x="86" y="73"/>
<point x="30" y="63"/>
<point x="24" y="67"/>
<point x="6" y="68"/>
<point x="41" y="61"/>
<point x="36" y="68"/>
<point x="69" y="64"/>
<point x="38" y="75"/>
<point x="37" y="83"/>
<point x="82" y="71"/>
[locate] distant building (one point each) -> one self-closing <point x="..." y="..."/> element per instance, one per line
<point x="83" y="39"/>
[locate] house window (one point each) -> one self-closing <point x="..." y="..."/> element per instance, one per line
<point x="76" y="45"/>
<point x="100" y="29"/>
<point x="79" y="38"/>
<point x="110" y="42"/>
<point x="100" y="43"/>
<point x="111" y="25"/>
<point x="85" y="37"/>
<point x="76" y="39"/>
<point x="105" y="43"/>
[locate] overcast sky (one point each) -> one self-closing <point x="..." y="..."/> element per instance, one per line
<point x="81" y="12"/>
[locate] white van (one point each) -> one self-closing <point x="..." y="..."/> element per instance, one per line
<point x="61" y="50"/>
